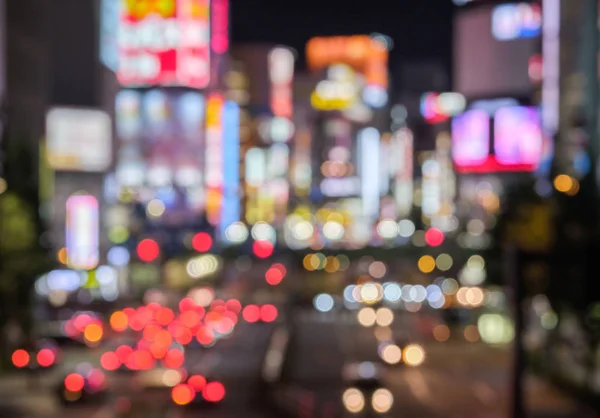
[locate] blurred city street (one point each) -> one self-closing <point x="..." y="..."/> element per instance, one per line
<point x="315" y="209"/>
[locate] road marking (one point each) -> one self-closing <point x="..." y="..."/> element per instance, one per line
<point x="417" y="385"/>
<point x="484" y="393"/>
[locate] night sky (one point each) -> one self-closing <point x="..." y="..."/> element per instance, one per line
<point x="419" y="28"/>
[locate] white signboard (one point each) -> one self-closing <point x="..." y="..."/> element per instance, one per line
<point x="78" y="140"/>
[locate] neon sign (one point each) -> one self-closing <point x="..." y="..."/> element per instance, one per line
<point x="219" y="40"/>
<point x="439" y="107"/>
<point x="515" y="21"/>
<point x="164" y="43"/>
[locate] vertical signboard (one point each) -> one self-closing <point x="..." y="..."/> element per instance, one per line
<point x="281" y="74"/>
<point x="109" y="29"/>
<point x="82" y="232"/>
<point x="230" y="211"/>
<point x="402" y="145"/>
<point x="551" y="76"/>
<point x="214" y="157"/>
<point x="368" y="149"/>
<point x="164" y="43"/>
<point x="219" y="39"/>
<point x="431" y="188"/>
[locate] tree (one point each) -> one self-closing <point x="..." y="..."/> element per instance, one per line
<point x="22" y="256"/>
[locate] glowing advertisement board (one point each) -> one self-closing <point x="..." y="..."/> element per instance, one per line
<point x="403" y="165"/>
<point x="230" y="211"/>
<point x="78" y="140"/>
<point x="161" y="143"/>
<point x="471" y="138"/>
<point x="515" y="21"/>
<point x="82" y="232"/>
<point x="281" y="74"/>
<point x="219" y="39"/>
<point x="214" y="157"/>
<point x="164" y="43"/>
<point x="431" y="188"/>
<point x="517" y="135"/>
<point x="368" y="146"/>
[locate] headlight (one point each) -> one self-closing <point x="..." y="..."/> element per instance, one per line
<point x="413" y="355"/>
<point x="354" y="400"/>
<point x="382" y="401"/>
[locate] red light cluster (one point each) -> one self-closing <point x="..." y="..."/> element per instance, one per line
<point x="160" y="327"/>
<point x="185" y="393"/>
<point x="265" y="313"/>
<point x="44" y="358"/>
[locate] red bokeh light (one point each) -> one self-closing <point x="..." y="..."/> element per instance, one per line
<point x="164" y="316"/>
<point x="434" y="237"/>
<point x="174" y="358"/>
<point x="143" y="360"/>
<point x="251" y="313"/>
<point x="110" y="361"/>
<point x="148" y="250"/>
<point x="205" y="336"/>
<point x="262" y="249"/>
<point x="183" y="336"/>
<point x="213" y="392"/>
<point x="123" y="353"/>
<point x="274" y="276"/>
<point x="268" y="313"/>
<point x="234" y="305"/>
<point x="202" y="242"/>
<point x="20" y="358"/>
<point x="183" y="394"/>
<point x="74" y="382"/>
<point x="190" y="319"/>
<point x="197" y="382"/>
<point x="45" y="357"/>
<point x="186" y="304"/>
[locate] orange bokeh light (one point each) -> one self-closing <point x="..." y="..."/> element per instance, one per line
<point x="93" y="333"/>
<point x="119" y="321"/>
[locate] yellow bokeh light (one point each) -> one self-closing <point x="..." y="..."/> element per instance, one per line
<point x="62" y="256"/>
<point x="426" y="264"/>
<point x="332" y="264"/>
<point x="413" y="355"/>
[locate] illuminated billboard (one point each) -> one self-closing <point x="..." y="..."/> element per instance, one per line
<point x="164" y="43"/>
<point x="518" y="136"/>
<point x="367" y="55"/>
<point x="82" y="232"/>
<point x="214" y="157"/>
<point x="161" y="143"/>
<point x="78" y="140"/>
<point x="517" y="140"/>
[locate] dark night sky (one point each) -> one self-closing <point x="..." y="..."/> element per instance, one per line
<point x="419" y="28"/>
